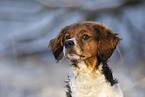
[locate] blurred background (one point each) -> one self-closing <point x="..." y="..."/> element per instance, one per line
<point x="27" y="66"/>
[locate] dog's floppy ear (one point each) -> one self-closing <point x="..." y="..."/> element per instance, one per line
<point x="57" y="44"/>
<point x="107" y="42"/>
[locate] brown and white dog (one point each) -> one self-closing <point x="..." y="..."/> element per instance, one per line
<point x="88" y="45"/>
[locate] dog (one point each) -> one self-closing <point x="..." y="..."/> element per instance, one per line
<point x="88" y="45"/>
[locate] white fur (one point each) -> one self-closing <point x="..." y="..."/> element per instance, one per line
<point x="84" y="83"/>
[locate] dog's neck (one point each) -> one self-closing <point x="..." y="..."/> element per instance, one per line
<point x="85" y="81"/>
<point x="88" y="67"/>
<point x="90" y="63"/>
<point x="93" y="65"/>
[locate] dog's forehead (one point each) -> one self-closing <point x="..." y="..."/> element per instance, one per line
<point x="77" y="29"/>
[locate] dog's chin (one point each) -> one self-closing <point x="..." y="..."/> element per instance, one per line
<point x="72" y="57"/>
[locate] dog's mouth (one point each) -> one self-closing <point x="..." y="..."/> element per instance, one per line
<point x="71" y="54"/>
<point x="75" y="57"/>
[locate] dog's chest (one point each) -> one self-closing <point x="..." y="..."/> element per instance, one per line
<point x="84" y="83"/>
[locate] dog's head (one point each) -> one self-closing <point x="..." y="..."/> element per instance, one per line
<point x="83" y="40"/>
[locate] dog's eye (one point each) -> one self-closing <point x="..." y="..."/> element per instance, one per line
<point x="85" y="37"/>
<point x="67" y="37"/>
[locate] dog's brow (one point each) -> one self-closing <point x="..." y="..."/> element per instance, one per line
<point x="87" y="26"/>
<point x="83" y="31"/>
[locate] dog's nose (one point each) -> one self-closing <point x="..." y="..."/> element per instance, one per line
<point x="69" y="44"/>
